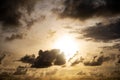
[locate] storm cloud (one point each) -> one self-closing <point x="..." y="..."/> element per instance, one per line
<point x="49" y="58"/>
<point x="28" y="59"/>
<point x="10" y="13"/>
<point x="45" y="58"/>
<point x="17" y="17"/>
<point x="103" y="32"/>
<point x="84" y="9"/>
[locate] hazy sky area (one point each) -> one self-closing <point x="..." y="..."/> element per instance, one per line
<point x="60" y="32"/>
<point x="41" y="27"/>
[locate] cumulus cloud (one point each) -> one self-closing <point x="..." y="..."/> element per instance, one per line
<point x="103" y="32"/>
<point x="49" y="58"/>
<point x="84" y="9"/>
<point x="96" y="61"/>
<point x="45" y="58"/>
<point x="103" y="57"/>
<point x="28" y="59"/>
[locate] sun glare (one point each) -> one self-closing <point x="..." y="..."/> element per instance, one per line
<point x="68" y="45"/>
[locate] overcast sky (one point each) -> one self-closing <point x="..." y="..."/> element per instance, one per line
<point x="28" y="26"/>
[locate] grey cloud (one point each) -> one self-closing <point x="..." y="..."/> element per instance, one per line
<point x="28" y="59"/>
<point x="103" y="32"/>
<point x="96" y="61"/>
<point x="12" y="11"/>
<point x="14" y="36"/>
<point x="84" y="9"/>
<point x="49" y="58"/>
<point x="45" y="58"/>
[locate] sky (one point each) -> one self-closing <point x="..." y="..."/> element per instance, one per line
<point x="32" y="28"/>
<point x="86" y="31"/>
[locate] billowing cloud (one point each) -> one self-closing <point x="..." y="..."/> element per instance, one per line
<point x="45" y="58"/>
<point x="49" y="58"/>
<point x="96" y="61"/>
<point x="84" y="9"/>
<point x="103" y="32"/>
<point x="28" y="59"/>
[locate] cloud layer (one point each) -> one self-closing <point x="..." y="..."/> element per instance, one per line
<point x="10" y="10"/>
<point x="84" y="9"/>
<point x="103" y="32"/>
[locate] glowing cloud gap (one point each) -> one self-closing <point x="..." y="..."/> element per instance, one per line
<point x="66" y="44"/>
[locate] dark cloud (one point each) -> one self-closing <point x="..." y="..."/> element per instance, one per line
<point x="14" y="36"/>
<point x="11" y="11"/>
<point x="97" y="61"/>
<point x="48" y="58"/>
<point x="28" y="59"/>
<point x="84" y="9"/>
<point x="103" y="32"/>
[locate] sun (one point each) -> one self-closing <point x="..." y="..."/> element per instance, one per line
<point x="67" y="45"/>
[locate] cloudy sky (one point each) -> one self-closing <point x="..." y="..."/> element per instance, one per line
<point x="75" y="31"/>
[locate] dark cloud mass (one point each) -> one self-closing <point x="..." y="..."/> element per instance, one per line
<point x="97" y="61"/>
<point x="10" y="11"/>
<point x="49" y="58"/>
<point x="84" y="9"/>
<point x="28" y="59"/>
<point x="101" y="32"/>
<point x="45" y="58"/>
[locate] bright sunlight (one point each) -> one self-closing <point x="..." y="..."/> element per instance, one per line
<point x="68" y="45"/>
